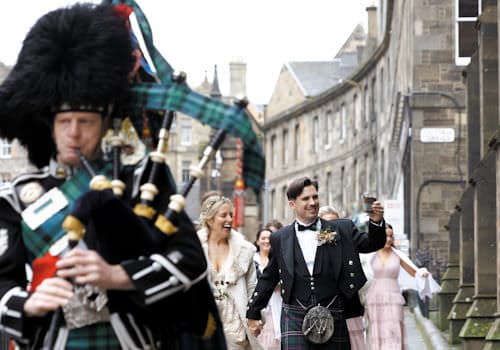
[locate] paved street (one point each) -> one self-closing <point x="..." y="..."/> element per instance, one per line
<point x="414" y="338"/>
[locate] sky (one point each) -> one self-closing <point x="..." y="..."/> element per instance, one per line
<point x="195" y="35"/>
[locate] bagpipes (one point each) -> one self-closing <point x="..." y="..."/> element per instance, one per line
<point x="130" y="230"/>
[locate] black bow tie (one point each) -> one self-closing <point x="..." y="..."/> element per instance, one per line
<point x="307" y="227"/>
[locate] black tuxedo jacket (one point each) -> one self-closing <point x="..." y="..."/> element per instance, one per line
<point x="339" y="260"/>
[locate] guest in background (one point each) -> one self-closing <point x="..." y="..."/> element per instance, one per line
<point x="231" y="269"/>
<point x="271" y="332"/>
<point x="384" y="301"/>
<point x="273" y="225"/>
<point x="328" y="213"/>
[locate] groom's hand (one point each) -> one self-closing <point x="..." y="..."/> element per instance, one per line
<point x="255" y="326"/>
<point x="377" y="212"/>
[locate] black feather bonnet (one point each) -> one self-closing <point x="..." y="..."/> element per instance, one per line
<point x="75" y="56"/>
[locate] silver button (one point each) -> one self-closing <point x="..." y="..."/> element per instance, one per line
<point x="312" y="283"/>
<point x="282" y="291"/>
<point x="255" y="294"/>
<point x="352" y="274"/>
<point x="279" y="270"/>
<point x="312" y="288"/>
<point x="351" y="286"/>
<point x="350" y="262"/>
<point x="281" y="281"/>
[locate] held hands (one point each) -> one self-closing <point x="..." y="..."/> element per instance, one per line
<point x="255" y="326"/>
<point x="88" y="267"/>
<point x="377" y="212"/>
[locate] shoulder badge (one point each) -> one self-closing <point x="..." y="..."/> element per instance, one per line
<point x="30" y="192"/>
<point x="44" y="208"/>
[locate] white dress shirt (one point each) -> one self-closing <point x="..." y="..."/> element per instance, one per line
<point x="308" y="242"/>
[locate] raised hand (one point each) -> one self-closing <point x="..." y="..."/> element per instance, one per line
<point x="377" y="211"/>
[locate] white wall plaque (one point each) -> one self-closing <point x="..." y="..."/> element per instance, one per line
<point x="428" y="135"/>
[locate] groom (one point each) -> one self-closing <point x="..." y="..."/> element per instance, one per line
<point x="317" y="263"/>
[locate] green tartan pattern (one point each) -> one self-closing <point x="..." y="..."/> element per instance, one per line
<point x="99" y="336"/>
<point x="179" y="97"/>
<point x="40" y="240"/>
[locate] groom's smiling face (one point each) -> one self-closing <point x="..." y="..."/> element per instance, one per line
<point x="306" y="205"/>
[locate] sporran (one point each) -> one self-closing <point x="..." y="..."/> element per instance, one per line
<point x="318" y="325"/>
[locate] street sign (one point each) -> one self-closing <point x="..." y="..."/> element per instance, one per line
<point x="439" y="135"/>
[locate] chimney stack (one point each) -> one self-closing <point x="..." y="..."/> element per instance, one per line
<point x="238" y="76"/>
<point x="372" y="22"/>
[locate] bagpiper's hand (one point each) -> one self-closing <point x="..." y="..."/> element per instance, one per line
<point x="88" y="267"/>
<point x="50" y="295"/>
<point x="377" y="212"/>
<point x="255" y="326"/>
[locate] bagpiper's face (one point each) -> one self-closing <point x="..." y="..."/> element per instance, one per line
<point x="306" y="205"/>
<point x="72" y="130"/>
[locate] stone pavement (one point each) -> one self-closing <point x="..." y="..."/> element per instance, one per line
<point x="414" y="339"/>
<point x="422" y="334"/>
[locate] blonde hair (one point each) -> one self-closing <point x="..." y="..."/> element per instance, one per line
<point x="210" y="206"/>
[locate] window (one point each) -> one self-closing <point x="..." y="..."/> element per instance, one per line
<point x="467" y="12"/>
<point x="328" y="130"/>
<point x="382" y="169"/>
<point x="355" y="169"/>
<point x="273" y="151"/>
<point x="329" y="188"/>
<point x="273" y="204"/>
<point x="355" y="114"/>
<point x="297" y="142"/>
<point x="315" y="135"/>
<point x="284" y="201"/>
<point x="5" y="149"/>
<point x="388" y="80"/>
<point x="367" y="174"/>
<point x="186" y="132"/>
<point x="366" y="114"/>
<point x="186" y="164"/>
<point x="342" y="187"/>
<point x="381" y="91"/>
<point x="343" y="126"/>
<point x="373" y="100"/>
<point x="285" y="146"/>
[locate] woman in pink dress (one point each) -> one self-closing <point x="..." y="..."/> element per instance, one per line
<point x="271" y="333"/>
<point x="384" y="302"/>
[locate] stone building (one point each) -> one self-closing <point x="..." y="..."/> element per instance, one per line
<point x="394" y="126"/>
<point x="470" y="300"/>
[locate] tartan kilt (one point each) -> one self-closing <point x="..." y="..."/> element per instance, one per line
<point x="292" y="337"/>
<point x="97" y="336"/>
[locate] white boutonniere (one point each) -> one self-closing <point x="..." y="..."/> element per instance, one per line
<point x="327" y="236"/>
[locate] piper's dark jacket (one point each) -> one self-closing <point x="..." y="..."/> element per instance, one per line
<point x="172" y="299"/>
<point x="337" y="268"/>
